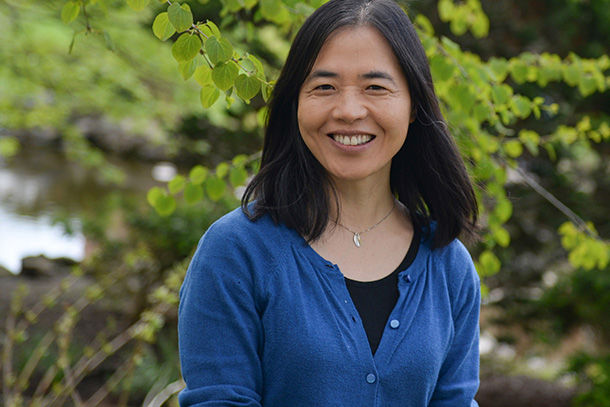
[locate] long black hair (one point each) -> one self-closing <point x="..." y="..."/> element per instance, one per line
<point x="427" y="174"/>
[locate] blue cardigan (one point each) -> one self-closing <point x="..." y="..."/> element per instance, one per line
<point x="265" y="321"/>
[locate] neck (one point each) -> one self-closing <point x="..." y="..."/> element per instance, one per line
<point x="362" y="204"/>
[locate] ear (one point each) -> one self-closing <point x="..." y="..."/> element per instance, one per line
<point x="413" y="114"/>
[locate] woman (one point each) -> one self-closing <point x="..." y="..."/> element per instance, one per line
<point x="340" y="281"/>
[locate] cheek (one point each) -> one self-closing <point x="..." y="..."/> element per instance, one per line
<point x="308" y="117"/>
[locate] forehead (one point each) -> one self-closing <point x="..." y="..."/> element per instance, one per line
<point x="361" y="47"/>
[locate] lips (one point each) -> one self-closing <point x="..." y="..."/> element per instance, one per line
<point x="352" y="139"/>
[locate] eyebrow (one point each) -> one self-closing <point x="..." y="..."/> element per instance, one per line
<point x="368" y="75"/>
<point x="378" y="75"/>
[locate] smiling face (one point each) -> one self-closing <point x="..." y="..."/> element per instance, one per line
<point x="354" y="106"/>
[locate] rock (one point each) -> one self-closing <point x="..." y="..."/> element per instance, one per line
<point x="42" y="266"/>
<point x="522" y="391"/>
<point x="4" y="272"/>
<point x="125" y="138"/>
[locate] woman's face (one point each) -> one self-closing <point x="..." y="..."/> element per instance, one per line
<point x="354" y="107"/>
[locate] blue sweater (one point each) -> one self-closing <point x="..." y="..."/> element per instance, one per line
<point x="265" y="321"/>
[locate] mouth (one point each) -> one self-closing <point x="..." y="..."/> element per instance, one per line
<point x="352" y="140"/>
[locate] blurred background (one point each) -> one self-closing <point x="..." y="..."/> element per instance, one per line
<point x="95" y="113"/>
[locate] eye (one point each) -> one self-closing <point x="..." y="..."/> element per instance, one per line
<point x="376" y="88"/>
<point x="324" y="87"/>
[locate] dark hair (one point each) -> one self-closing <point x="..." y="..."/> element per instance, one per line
<point x="427" y="174"/>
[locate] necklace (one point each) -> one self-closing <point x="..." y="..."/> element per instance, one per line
<point x="357" y="238"/>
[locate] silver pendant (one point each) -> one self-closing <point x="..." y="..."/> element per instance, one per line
<point x="357" y="240"/>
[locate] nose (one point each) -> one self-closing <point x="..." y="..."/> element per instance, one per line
<point x="349" y="107"/>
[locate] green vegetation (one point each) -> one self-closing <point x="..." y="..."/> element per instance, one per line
<point x="533" y="125"/>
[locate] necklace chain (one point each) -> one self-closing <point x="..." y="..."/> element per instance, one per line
<point x="357" y="238"/>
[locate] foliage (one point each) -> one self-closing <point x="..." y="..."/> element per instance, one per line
<point x="594" y="373"/>
<point x="133" y="280"/>
<point x="45" y="88"/>
<point x="579" y="298"/>
<point x="50" y="382"/>
<point x="496" y="108"/>
<point x="485" y="112"/>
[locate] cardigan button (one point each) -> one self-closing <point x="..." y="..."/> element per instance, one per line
<point x="370" y="378"/>
<point x="394" y="323"/>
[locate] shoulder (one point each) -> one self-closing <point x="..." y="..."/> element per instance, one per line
<point x="237" y="229"/>
<point x="455" y="256"/>
<point x="236" y="239"/>
<point x="453" y="264"/>
<point x="463" y="282"/>
<point x="236" y="251"/>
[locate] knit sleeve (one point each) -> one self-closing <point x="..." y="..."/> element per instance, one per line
<point x="458" y="380"/>
<point x="220" y="331"/>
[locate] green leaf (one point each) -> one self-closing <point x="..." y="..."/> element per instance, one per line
<point x="224" y="74"/>
<point x="215" y="188"/>
<point x="521" y="106"/>
<point x="445" y="10"/>
<point x="232" y="6"/>
<point x="518" y="71"/>
<point x="72" y="42"/>
<point x="503" y="210"/>
<point x="502" y="237"/>
<point x="9" y="146"/>
<point x="203" y="75"/>
<point x="499" y="68"/>
<point x="213" y="29"/>
<point x="459" y="21"/>
<point x="239" y="160"/>
<point x="70" y="11"/>
<point x="513" y="148"/>
<point x="176" y="184"/>
<point x="274" y="10"/>
<point x="187" y="68"/>
<point x="462" y="97"/>
<point x="482" y="112"/>
<point x="209" y="95"/>
<point x="424" y="23"/>
<point x="186" y="47"/>
<point x="222" y="170"/>
<point x="180" y="16"/>
<point x="260" y="70"/>
<point x="138" y="5"/>
<point x="266" y="91"/>
<point x="158" y="198"/>
<point x="228" y="99"/>
<point x="531" y="140"/>
<point x="550" y="150"/>
<point x="238" y="176"/>
<point x="262" y="115"/>
<point x="488" y="264"/>
<point x="247" y="86"/>
<point x="571" y="74"/>
<point x="480" y="25"/>
<point x="198" y="174"/>
<point x="219" y="50"/>
<point x="153" y="194"/>
<point x="442" y="70"/>
<point x="193" y="193"/>
<point x="162" y="28"/>
<point x="108" y="40"/>
<point x="587" y="85"/>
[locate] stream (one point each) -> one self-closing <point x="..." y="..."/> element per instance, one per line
<point x="39" y="186"/>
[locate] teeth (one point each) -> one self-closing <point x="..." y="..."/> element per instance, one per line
<point x="352" y="140"/>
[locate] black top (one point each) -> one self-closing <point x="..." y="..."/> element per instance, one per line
<point x="375" y="300"/>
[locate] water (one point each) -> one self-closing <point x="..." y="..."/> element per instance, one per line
<point x="38" y="186"/>
<point x="23" y="236"/>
